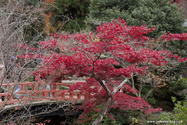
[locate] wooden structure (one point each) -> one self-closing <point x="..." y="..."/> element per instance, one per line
<point x="33" y="91"/>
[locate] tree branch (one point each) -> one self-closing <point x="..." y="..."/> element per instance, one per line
<point x="148" y="93"/>
<point x="102" y="83"/>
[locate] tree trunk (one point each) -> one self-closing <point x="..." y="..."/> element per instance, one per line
<point x="103" y="111"/>
<point x="148" y="93"/>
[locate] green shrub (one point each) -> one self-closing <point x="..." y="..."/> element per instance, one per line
<point x="178" y="116"/>
<point x="92" y="115"/>
<point x="175" y="88"/>
<point x="133" y="117"/>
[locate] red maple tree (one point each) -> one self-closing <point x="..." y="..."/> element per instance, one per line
<point x="108" y="58"/>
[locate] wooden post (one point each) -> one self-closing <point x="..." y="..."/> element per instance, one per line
<point x="44" y="94"/>
<point x="63" y="95"/>
<point x="54" y="89"/>
<point x="34" y="88"/>
<point x="71" y="95"/>
<point x="78" y="96"/>
<point x="22" y="87"/>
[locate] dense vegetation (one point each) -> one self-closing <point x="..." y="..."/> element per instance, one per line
<point x="166" y="17"/>
<point x="70" y="13"/>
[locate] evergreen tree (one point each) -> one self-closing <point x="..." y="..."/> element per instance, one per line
<point x="166" y="17"/>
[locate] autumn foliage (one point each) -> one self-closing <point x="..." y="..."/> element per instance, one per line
<point x="96" y="55"/>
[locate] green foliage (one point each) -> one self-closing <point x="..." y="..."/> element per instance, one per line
<point x="92" y="115"/>
<point x="72" y="7"/>
<point x="179" y="87"/>
<point x="122" y="117"/>
<point x="181" y="83"/>
<point x="71" y="13"/>
<point x="150" y="98"/>
<point x="31" y="2"/>
<point x="176" y="88"/>
<point x="74" y="25"/>
<point x="178" y="47"/>
<point x="63" y="88"/>
<point x="178" y="116"/>
<point x="132" y="117"/>
<point x="35" y="29"/>
<point x="164" y="16"/>
<point x="29" y="79"/>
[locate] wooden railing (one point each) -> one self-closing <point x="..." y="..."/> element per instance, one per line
<point x="33" y="91"/>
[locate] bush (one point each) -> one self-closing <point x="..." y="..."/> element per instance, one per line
<point x="92" y="115"/>
<point x="178" y="116"/>
<point x="175" y="88"/>
<point x="133" y="117"/>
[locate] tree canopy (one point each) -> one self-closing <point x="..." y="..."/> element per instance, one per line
<point x="97" y="56"/>
<point x="166" y="17"/>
